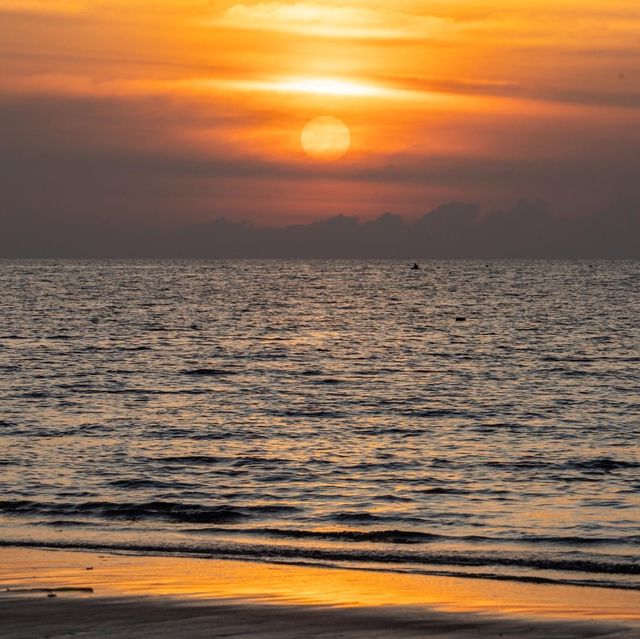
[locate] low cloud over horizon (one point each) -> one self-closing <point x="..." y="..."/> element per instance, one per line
<point x="453" y="230"/>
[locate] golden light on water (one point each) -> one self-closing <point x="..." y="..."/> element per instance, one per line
<point x="325" y="138"/>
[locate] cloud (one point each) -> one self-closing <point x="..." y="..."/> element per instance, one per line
<point x="222" y="79"/>
<point x="620" y="97"/>
<point x="344" y="21"/>
<point x="453" y="230"/>
<point x="458" y="86"/>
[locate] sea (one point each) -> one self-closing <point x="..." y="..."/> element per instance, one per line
<point x="466" y="418"/>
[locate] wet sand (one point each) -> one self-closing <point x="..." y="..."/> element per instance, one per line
<point x="105" y="595"/>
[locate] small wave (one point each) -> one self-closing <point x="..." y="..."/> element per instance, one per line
<point x="516" y="463"/>
<point x="162" y="510"/>
<point x="372" y="372"/>
<point x="355" y="517"/>
<point x="269" y="355"/>
<point x="441" y="490"/>
<point x="384" y="466"/>
<point x="441" y="461"/>
<point x="88" y="389"/>
<point x="357" y="536"/>
<point x="317" y="414"/>
<point x="603" y="464"/>
<point x="596" y="465"/>
<point x="149" y="391"/>
<point x="578" y="360"/>
<point x="394" y="536"/>
<point x="146" y="483"/>
<point x="393" y="430"/>
<point x="92" y="428"/>
<point x="571" y="372"/>
<point x="209" y="372"/>
<point x="191" y="459"/>
<point x="367" y="518"/>
<point x="568" y="540"/>
<point x="254" y="460"/>
<point x="64" y="523"/>
<point x="432" y="413"/>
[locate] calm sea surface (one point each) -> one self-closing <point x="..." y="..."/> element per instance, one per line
<point x="329" y="412"/>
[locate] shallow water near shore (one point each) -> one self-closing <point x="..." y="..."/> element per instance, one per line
<point x="82" y="575"/>
<point x="334" y="412"/>
<point x="47" y="593"/>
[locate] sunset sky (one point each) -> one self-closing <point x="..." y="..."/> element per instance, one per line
<point x="157" y="112"/>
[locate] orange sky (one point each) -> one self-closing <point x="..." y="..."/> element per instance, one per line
<point x="170" y="110"/>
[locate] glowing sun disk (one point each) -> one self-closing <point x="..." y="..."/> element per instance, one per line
<point x="325" y="138"/>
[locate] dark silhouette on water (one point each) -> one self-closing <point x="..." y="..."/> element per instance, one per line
<point x="415" y="267"/>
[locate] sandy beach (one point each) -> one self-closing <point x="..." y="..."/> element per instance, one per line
<point x="49" y="593"/>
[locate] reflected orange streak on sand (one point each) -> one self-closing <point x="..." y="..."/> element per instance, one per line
<point x="205" y="579"/>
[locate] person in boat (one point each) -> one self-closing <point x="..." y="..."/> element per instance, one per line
<point x="415" y="267"/>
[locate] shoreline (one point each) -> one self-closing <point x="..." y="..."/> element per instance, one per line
<point x="564" y="573"/>
<point x="131" y="592"/>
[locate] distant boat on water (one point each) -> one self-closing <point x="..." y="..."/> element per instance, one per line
<point x="415" y="267"/>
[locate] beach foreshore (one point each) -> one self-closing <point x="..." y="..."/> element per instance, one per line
<point x="49" y="593"/>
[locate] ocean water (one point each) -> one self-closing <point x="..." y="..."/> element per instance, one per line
<point x="333" y="412"/>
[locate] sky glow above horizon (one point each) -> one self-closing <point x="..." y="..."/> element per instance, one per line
<point x="171" y="111"/>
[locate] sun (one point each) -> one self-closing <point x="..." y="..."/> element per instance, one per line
<point x="325" y="138"/>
